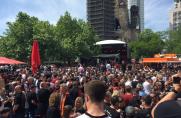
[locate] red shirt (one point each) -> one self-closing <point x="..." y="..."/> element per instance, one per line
<point x="54" y="80"/>
<point x="127" y="98"/>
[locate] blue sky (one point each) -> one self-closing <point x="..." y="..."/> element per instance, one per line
<point x="156" y="11"/>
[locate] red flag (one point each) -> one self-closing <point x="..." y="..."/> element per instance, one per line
<point x="35" y="57"/>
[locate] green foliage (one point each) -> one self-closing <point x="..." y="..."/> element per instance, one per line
<point x="75" y="37"/>
<point x="148" y="44"/>
<point x="69" y="39"/>
<point x="18" y="37"/>
<point x="174" y="42"/>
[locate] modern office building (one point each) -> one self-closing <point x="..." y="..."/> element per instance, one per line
<point x="100" y="14"/>
<point x="175" y="15"/>
<point x="133" y="6"/>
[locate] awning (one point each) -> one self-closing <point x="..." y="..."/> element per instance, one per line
<point x="107" y="56"/>
<point x="4" y="60"/>
<point x="107" y="42"/>
<point x="161" y="60"/>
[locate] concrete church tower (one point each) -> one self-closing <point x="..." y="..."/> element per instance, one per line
<point x="123" y="31"/>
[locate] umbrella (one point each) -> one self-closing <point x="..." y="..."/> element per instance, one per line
<point x="4" y="60"/>
<point x="35" y="57"/>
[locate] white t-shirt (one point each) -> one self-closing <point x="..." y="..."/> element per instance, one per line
<point x="128" y="83"/>
<point x="153" y="78"/>
<point x="86" y="115"/>
<point x="147" y="87"/>
<point x="108" y="66"/>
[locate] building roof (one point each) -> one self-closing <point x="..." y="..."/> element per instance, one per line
<point x="106" y="42"/>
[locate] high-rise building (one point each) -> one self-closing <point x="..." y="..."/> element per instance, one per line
<point x="100" y="14"/>
<point x="175" y="15"/>
<point x="132" y="6"/>
<point x="116" y="18"/>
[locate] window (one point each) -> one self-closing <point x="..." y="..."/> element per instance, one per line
<point x="176" y="5"/>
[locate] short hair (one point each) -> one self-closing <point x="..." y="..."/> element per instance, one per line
<point x="148" y="100"/>
<point x="96" y="90"/>
<point x="66" y="111"/>
<point x="114" y="100"/>
<point x="128" y="89"/>
<point x="30" y="78"/>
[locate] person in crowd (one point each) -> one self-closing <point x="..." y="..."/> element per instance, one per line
<point x="68" y="112"/>
<point x="108" y="66"/>
<point x="123" y="66"/>
<point x="107" y="99"/>
<point x="78" y="106"/>
<point x="95" y="92"/>
<point x="54" y="102"/>
<point x="5" y="113"/>
<point x="2" y="86"/>
<point x="74" y="91"/>
<point x="43" y="97"/>
<point x="65" y="98"/>
<point x="130" y="112"/>
<point x="114" y="111"/>
<point x="147" y="86"/>
<point x="32" y="101"/>
<point x="145" y="111"/>
<point x="19" y="103"/>
<point x="128" y="96"/>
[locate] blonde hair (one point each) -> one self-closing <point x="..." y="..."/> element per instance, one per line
<point x="116" y="93"/>
<point x="79" y="98"/>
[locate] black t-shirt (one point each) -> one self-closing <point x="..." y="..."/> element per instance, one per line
<point x="144" y="113"/>
<point x="81" y="110"/>
<point x="20" y="101"/>
<point x="123" y="67"/>
<point x="43" y="96"/>
<point x="32" y="97"/>
<point x="103" y="68"/>
<point x="112" y="112"/>
<point x="134" y="84"/>
<point x="74" y="92"/>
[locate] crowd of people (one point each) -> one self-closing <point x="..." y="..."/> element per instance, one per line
<point x="106" y="91"/>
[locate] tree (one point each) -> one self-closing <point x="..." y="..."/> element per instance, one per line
<point x="76" y="38"/>
<point x="68" y="39"/>
<point x="44" y="32"/>
<point x="18" y="37"/>
<point x="20" y="34"/>
<point x="173" y="45"/>
<point x="147" y="44"/>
